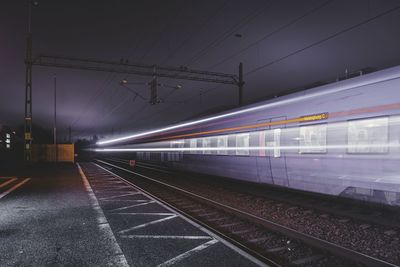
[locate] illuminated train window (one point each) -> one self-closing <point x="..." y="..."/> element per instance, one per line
<point x="313" y="139"/>
<point x="273" y="142"/>
<point x="176" y="155"/>
<point x="199" y="145"/>
<point x="214" y="143"/>
<point x="242" y="142"/>
<point x="368" y="136"/>
<point x="206" y="144"/>
<point x="193" y="145"/>
<point x="222" y="144"/>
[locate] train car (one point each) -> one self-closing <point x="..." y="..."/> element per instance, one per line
<point x="340" y="139"/>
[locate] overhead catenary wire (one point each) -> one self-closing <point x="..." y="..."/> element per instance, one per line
<point x="314" y="44"/>
<point x="171" y="20"/>
<point x="297" y="19"/>
<point x="109" y="79"/>
<point x="242" y="22"/>
<point x="387" y="12"/>
<point x="106" y="115"/>
<point x="352" y="27"/>
<point x="93" y="99"/>
<point x="277" y="30"/>
<point x="199" y="29"/>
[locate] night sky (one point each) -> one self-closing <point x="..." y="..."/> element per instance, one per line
<point x="284" y="45"/>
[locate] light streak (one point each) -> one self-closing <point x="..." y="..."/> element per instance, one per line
<point x="193" y="149"/>
<point x="337" y="88"/>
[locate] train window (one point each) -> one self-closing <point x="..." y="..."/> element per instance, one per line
<point x="242" y="144"/>
<point x="262" y="142"/>
<point x="222" y="144"/>
<point x="277" y="143"/>
<point x="199" y="145"/>
<point x="179" y="144"/>
<point x="206" y="145"/>
<point x="273" y="142"/>
<point x="193" y="145"/>
<point x="368" y="135"/>
<point x="214" y="142"/>
<point x="313" y="139"/>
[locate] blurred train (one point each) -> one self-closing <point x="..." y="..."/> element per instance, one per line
<point x="340" y="139"/>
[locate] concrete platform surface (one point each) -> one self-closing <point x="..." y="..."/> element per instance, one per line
<point x="49" y="221"/>
<point x="55" y="215"/>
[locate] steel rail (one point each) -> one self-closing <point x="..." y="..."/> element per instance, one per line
<point x="307" y="239"/>
<point x="203" y="224"/>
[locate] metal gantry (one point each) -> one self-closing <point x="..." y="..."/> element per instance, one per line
<point x="155" y="71"/>
<point x="181" y="73"/>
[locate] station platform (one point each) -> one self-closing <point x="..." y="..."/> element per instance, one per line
<point x="64" y="214"/>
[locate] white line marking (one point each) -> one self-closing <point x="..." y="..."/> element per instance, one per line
<point x="118" y="257"/>
<point x="136" y="205"/>
<point x="144" y="213"/>
<point x="114" y="188"/>
<point x="188" y="253"/>
<point x="94" y="182"/>
<point x="7" y="182"/>
<point x="104" y="186"/>
<point x="13" y="188"/>
<point x="124" y="195"/>
<point x="167" y="236"/>
<point x="119" y="200"/>
<point x="139" y="200"/>
<point x="104" y="191"/>
<point x="147" y="224"/>
<point x="205" y="230"/>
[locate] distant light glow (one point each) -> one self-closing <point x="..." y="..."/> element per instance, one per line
<point x="337" y="88"/>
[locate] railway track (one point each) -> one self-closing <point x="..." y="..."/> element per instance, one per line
<point x="275" y="244"/>
<point x="346" y="208"/>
